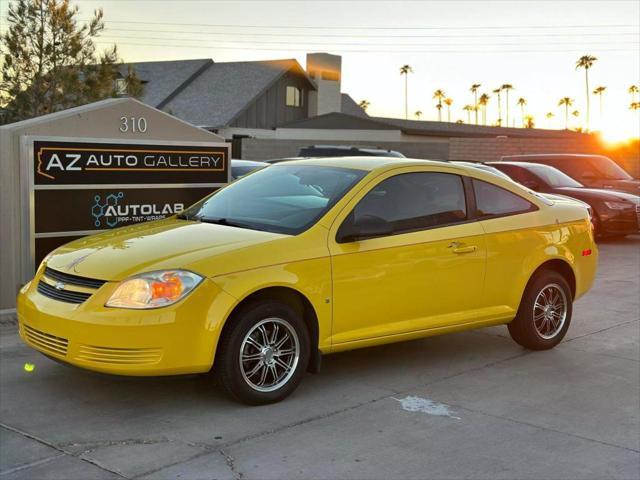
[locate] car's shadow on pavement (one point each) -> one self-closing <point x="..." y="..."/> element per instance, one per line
<point x="388" y="368"/>
<point x="626" y="240"/>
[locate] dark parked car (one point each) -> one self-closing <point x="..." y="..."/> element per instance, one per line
<point x="346" y="151"/>
<point x="482" y="166"/>
<point x="240" y="168"/>
<point x="613" y="213"/>
<point x="596" y="171"/>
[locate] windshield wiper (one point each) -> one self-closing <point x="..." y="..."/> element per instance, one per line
<point x="227" y="222"/>
<point x="186" y="216"/>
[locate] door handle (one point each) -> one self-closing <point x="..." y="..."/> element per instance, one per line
<point x="457" y="247"/>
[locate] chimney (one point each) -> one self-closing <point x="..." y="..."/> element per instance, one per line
<point x="325" y="70"/>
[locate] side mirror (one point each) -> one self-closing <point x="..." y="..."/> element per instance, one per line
<point x="588" y="175"/>
<point x="367" y="226"/>
<point x="532" y="184"/>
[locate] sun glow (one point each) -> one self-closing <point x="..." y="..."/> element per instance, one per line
<point x="616" y="129"/>
<point x="616" y="134"/>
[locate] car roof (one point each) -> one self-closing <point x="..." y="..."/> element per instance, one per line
<point x="551" y="155"/>
<point x="348" y="147"/>
<point x="247" y="163"/>
<point x="520" y="164"/>
<point x="363" y="163"/>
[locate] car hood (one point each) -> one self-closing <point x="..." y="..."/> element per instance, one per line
<point x="165" y="244"/>
<point x="557" y="197"/>
<point x="586" y="194"/>
<point x="629" y="186"/>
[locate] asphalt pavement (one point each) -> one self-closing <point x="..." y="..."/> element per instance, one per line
<point x="468" y="405"/>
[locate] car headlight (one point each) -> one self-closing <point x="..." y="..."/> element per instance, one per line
<point x="618" y="205"/>
<point x="154" y="289"/>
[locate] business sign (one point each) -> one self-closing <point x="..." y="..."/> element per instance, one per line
<point x="78" y="163"/>
<point x="78" y="187"/>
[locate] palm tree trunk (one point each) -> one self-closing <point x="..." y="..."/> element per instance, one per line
<point x="600" y="109"/>
<point x="406" y="96"/>
<point x="499" y="111"/>
<point x="566" y="116"/>
<point x="508" y="108"/>
<point x="586" y="77"/>
<point x="522" y="111"/>
<point x="484" y="115"/>
<point x="475" y="105"/>
<point x="448" y="114"/>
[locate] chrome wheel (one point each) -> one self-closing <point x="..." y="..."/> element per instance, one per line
<point x="269" y="354"/>
<point x="550" y="311"/>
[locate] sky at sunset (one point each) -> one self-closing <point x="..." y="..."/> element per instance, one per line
<point x="532" y="45"/>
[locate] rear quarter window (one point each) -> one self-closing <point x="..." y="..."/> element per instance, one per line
<point x="495" y="201"/>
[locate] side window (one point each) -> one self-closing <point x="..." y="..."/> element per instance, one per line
<point x="294" y="97"/>
<point x="571" y="166"/>
<point x="492" y="200"/>
<point x="414" y="201"/>
<point x="522" y="176"/>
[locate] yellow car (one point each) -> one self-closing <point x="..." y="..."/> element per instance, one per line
<point x="304" y="258"/>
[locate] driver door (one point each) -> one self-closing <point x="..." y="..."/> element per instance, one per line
<point x="428" y="273"/>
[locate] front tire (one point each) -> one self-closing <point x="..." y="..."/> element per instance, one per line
<point x="544" y="314"/>
<point x="263" y="353"/>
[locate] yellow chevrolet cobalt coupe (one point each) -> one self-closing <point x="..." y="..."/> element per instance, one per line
<point x="255" y="282"/>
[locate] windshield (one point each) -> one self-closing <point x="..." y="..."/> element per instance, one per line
<point x="282" y="199"/>
<point x="552" y="176"/>
<point x="241" y="171"/>
<point x="609" y="169"/>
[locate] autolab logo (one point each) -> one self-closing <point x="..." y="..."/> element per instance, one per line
<point x="114" y="210"/>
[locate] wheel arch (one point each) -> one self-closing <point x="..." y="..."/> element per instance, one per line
<point x="561" y="266"/>
<point x="296" y="300"/>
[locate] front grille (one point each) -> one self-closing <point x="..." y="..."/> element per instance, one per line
<point x="69" y="279"/>
<point x="120" y="356"/>
<point x="45" y="341"/>
<point x="61" y="295"/>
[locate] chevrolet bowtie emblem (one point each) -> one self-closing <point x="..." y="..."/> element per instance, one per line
<point x="59" y="286"/>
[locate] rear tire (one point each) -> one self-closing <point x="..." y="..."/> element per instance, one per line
<point x="263" y="353"/>
<point x="544" y="314"/>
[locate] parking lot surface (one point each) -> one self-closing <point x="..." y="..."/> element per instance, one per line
<point x="468" y="405"/>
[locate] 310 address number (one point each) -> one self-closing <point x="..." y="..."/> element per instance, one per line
<point x="133" y="124"/>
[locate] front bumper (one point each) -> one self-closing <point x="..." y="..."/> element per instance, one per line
<point x="171" y="340"/>
<point x="623" y="222"/>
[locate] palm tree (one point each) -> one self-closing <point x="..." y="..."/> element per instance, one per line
<point x="474" y="89"/>
<point x="586" y="62"/>
<point x="497" y="92"/>
<point x="468" y="109"/>
<point x="599" y="91"/>
<point x="529" y="121"/>
<point x="576" y="114"/>
<point x="633" y="90"/>
<point x="507" y="87"/>
<point x="567" y="102"/>
<point x="522" y="102"/>
<point x="418" y="114"/>
<point x="550" y="115"/>
<point x="364" y="104"/>
<point x="406" y="70"/>
<point x="440" y="95"/>
<point x="484" y="101"/>
<point x="448" y="102"/>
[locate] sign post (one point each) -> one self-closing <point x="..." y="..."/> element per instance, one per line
<point x="81" y="186"/>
